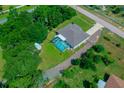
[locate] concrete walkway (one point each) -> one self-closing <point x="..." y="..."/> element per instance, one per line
<point x="55" y="71"/>
<point x="94" y="29"/>
<point x="109" y="26"/>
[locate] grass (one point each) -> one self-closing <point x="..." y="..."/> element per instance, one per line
<point x="2" y="61"/>
<point x="50" y="55"/>
<point x="78" y="74"/>
<point x="116" y="52"/>
<point x="115" y="20"/>
<point x="84" y="22"/>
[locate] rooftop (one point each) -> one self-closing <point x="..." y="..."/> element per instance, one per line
<point x="73" y="34"/>
<point x="114" y="82"/>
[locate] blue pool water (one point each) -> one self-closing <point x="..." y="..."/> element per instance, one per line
<point x="61" y="45"/>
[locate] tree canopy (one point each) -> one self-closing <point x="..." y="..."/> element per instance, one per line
<point x="17" y="38"/>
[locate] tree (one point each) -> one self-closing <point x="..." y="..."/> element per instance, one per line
<point x="53" y="15"/>
<point x="116" y="10"/>
<point x="87" y="64"/>
<point x="1" y="8"/>
<point x="17" y="38"/>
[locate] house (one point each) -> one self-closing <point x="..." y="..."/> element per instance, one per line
<point x="73" y="35"/>
<point x="114" y="82"/>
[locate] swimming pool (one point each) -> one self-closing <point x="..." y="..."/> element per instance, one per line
<point x="61" y="45"/>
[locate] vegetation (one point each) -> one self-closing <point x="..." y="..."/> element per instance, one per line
<point x="17" y="41"/>
<point x="7" y="7"/>
<point x="2" y="62"/>
<point x="88" y="62"/>
<point x="113" y="12"/>
<point x="50" y="55"/>
<point x="61" y="84"/>
<point x="52" y="16"/>
<point x="75" y="76"/>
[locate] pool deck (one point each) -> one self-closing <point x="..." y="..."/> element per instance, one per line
<point x="60" y="44"/>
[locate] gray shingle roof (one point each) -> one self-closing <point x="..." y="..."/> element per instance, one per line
<point x="73" y="34"/>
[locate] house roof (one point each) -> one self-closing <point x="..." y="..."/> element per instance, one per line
<point x="114" y="82"/>
<point x="73" y="34"/>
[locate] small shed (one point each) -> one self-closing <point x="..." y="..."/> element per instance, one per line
<point x="101" y="84"/>
<point x="37" y="46"/>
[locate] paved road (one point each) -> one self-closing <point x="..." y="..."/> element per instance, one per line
<point x="55" y="71"/>
<point x="99" y="20"/>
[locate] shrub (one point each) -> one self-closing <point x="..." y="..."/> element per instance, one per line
<point x="75" y="61"/>
<point x="61" y="84"/>
<point x="106" y="38"/>
<point x="87" y="64"/>
<point x="98" y="48"/>
<point x="86" y="84"/>
<point x="106" y="76"/>
<point x="118" y="45"/>
<point x="97" y="58"/>
<point x="107" y="60"/>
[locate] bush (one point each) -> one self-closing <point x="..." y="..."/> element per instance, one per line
<point x="61" y="84"/>
<point x="87" y="64"/>
<point x="106" y="60"/>
<point x="98" y="48"/>
<point x="106" y="76"/>
<point x="118" y="45"/>
<point x="86" y="84"/>
<point x="97" y="58"/>
<point x="106" y="38"/>
<point x="75" y="61"/>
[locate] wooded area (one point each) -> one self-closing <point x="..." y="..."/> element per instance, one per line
<point x="17" y="38"/>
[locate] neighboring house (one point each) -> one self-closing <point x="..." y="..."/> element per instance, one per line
<point x="72" y="35"/>
<point x="114" y="82"/>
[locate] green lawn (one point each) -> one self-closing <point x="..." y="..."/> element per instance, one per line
<point x="84" y="22"/>
<point x="2" y="61"/>
<point x="116" y="52"/>
<point x="50" y="55"/>
<point x="116" y="19"/>
<point x="77" y="75"/>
